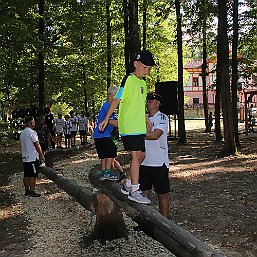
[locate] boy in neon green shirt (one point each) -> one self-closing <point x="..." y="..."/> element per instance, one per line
<point x="132" y="120"/>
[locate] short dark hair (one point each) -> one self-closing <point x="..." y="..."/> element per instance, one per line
<point x="28" y="119"/>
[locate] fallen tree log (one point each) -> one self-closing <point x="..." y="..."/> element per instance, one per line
<point x="80" y="193"/>
<point x="109" y="219"/>
<point x="176" y="239"/>
<point x="54" y="154"/>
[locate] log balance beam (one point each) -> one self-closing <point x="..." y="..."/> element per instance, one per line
<point x="176" y="239"/>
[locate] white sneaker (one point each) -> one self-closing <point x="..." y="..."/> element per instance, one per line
<point x="42" y="164"/>
<point x="138" y="197"/>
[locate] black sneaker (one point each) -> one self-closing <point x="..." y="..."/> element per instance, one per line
<point x="123" y="175"/>
<point x="33" y="194"/>
<point x="27" y="193"/>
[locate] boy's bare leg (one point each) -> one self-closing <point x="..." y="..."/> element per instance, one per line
<point x="137" y="158"/>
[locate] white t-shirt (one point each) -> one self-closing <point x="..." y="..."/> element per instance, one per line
<point x="28" y="150"/>
<point x="67" y="127"/>
<point x="156" y="153"/>
<point x="74" y="121"/>
<point x="59" y="123"/>
<point x="82" y="123"/>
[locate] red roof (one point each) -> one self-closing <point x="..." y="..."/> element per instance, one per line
<point x="193" y="64"/>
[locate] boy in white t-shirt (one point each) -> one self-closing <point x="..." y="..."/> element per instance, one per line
<point x="74" y="128"/>
<point x="67" y="131"/>
<point x="59" y="124"/>
<point x="82" y="121"/>
<point x="32" y="155"/>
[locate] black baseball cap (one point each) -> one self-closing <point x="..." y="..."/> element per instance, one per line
<point x="153" y="96"/>
<point x="146" y="57"/>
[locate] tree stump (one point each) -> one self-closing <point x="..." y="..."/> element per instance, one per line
<point x="109" y="219"/>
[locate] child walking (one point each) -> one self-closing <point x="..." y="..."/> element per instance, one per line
<point x="132" y="120"/>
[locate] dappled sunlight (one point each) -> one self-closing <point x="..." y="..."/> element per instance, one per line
<point x="42" y="181"/>
<point x="56" y="196"/>
<point x="10" y="211"/>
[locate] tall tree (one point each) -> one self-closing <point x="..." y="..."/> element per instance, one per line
<point x="41" y="56"/>
<point x="223" y="74"/>
<point x="109" y="43"/>
<point x="133" y="29"/>
<point x="234" y="82"/>
<point x="181" y="116"/>
<point x="126" y="35"/>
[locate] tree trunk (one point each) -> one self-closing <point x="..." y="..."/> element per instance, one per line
<point x="41" y="57"/>
<point x="181" y="116"/>
<point x="223" y="73"/>
<point x="144" y="23"/>
<point x="109" y="220"/>
<point x="133" y="29"/>
<point x="109" y="42"/>
<point x="204" y="67"/>
<point x="235" y="70"/>
<point x="126" y="33"/>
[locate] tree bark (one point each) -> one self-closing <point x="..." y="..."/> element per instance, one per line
<point x="109" y="219"/>
<point x="126" y="33"/>
<point x="204" y="67"/>
<point x="235" y="71"/>
<point x="109" y="43"/>
<point x="223" y="73"/>
<point x="181" y="116"/>
<point x="41" y="57"/>
<point x="144" y="23"/>
<point x="133" y="29"/>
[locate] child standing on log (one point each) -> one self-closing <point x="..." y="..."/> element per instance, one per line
<point x="105" y="147"/>
<point x="132" y="120"/>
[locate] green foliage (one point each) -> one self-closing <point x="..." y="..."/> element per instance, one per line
<point x="75" y="47"/>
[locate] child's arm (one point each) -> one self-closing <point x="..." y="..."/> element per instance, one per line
<point x="112" y="108"/>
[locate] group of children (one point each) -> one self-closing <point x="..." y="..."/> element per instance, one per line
<point x="68" y="127"/>
<point x="51" y="131"/>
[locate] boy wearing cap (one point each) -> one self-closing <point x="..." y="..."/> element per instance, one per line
<point x="132" y="120"/>
<point x="154" y="170"/>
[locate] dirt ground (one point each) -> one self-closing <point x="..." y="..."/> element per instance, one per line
<point x="213" y="197"/>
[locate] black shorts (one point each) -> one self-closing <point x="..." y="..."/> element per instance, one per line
<point x="67" y="136"/>
<point x="31" y="168"/>
<point x="105" y="148"/>
<point x="73" y="133"/>
<point x="82" y="132"/>
<point x="59" y="134"/>
<point x="134" y="142"/>
<point x="158" y="177"/>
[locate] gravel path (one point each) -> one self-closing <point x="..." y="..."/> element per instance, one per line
<point x="58" y="226"/>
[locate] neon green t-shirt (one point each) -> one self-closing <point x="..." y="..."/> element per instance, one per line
<point x="132" y="116"/>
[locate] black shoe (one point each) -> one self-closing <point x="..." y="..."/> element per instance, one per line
<point x="27" y="193"/>
<point x="123" y="175"/>
<point x="33" y="194"/>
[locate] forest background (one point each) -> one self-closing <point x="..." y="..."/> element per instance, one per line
<point x="68" y="52"/>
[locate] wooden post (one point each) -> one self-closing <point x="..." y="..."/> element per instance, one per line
<point x="109" y="219"/>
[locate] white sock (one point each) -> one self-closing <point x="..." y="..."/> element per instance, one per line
<point x="134" y="188"/>
<point x="128" y="182"/>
